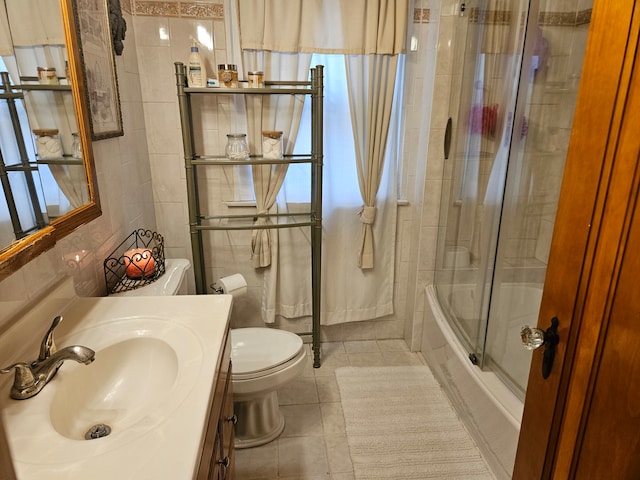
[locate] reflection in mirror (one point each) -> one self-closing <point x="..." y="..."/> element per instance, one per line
<point x="47" y="161"/>
<point x="22" y="211"/>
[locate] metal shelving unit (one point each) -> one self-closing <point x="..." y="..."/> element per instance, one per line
<point x="200" y="223"/>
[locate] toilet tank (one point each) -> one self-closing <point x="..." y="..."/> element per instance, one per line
<point x="173" y="282"/>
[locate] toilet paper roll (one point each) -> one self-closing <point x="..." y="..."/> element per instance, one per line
<point x="234" y="285"/>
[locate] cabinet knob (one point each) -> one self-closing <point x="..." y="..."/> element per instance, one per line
<point x="224" y="462"/>
<point x="233" y="419"/>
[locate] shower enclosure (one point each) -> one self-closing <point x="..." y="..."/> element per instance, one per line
<point x="516" y="72"/>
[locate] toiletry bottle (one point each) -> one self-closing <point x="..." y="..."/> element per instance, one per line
<point x="196" y="73"/>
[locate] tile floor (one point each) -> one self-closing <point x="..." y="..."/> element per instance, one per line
<point x="314" y="445"/>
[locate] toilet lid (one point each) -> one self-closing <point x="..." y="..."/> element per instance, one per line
<point x="258" y="349"/>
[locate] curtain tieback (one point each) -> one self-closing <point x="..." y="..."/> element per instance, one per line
<point x="367" y="214"/>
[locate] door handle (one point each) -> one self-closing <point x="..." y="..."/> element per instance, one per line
<point x="447" y="138"/>
<point x="533" y="338"/>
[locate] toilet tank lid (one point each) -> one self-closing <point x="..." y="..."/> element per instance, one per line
<point x="262" y="348"/>
<point x="167" y="285"/>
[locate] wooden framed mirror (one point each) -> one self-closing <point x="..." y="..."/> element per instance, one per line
<point x="55" y="102"/>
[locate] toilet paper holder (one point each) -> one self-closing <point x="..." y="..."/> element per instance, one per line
<point x="235" y="285"/>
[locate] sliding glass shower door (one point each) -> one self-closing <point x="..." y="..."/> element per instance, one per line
<point x="517" y="71"/>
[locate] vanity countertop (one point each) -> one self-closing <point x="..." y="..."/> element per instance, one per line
<point x="163" y="440"/>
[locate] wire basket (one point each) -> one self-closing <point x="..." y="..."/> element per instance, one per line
<point x="136" y="262"/>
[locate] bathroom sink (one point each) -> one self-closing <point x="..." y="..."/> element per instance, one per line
<point x="127" y="381"/>
<point x="139" y="406"/>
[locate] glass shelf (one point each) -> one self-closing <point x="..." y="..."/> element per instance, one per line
<point x="248" y="222"/>
<point x="46" y="88"/>
<point x="253" y="160"/>
<point x="270" y="88"/>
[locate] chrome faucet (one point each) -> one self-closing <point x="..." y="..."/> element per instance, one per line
<point x="31" y="377"/>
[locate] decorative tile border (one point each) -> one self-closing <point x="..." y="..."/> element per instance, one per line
<point x="491" y="17"/>
<point x="421" y="15"/>
<point x="178" y="9"/>
<point x="546" y="19"/>
<point x="565" y="19"/>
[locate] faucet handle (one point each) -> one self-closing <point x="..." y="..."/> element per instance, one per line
<point x="24" y="376"/>
<point x="48" y="346"/>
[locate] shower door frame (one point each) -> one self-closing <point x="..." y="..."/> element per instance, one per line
<point x="592" y="227"/>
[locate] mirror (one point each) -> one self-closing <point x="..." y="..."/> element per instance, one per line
<point x="47" y="173"/>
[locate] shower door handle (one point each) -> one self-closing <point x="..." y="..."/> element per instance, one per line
<point x="447" y="138"/>
<point x="533" y="338"/>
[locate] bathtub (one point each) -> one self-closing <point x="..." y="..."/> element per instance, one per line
<point x="490" y="411"/>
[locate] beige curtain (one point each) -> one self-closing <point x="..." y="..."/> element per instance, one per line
<point x="35" y="22"/>
<point x="280" y="113"/>
<point x="371" y="84"/>
<point x="366" y="28"/>
<point x="371" y="34"/>
<point x="6" y="45"/>
<point x="327" y="26"/>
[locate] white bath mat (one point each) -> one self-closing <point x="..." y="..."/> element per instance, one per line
<point x="400" y="425"/>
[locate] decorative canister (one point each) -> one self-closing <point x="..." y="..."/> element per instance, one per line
<point x="237" y="147"/>
<point x="228" y="75"/>
<point x="271" y="144"/>
<point x="256" y="79"/>
<point x="47" y="76"/>
<point x="48" y="144"/>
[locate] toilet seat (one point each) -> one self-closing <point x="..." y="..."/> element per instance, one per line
<point x="257" y="352"/>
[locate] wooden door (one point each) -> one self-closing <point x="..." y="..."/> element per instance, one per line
<point x="584" y="420"/>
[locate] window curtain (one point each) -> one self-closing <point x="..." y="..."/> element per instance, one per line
<point x="329" y="26"/>
<point x="281" y="113"/>
<point x="6" y="45"/>
<point x="371" y="85"/>
<point x="356" y="28"/>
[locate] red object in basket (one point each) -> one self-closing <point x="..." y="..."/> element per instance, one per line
<point x="140" y="263"/>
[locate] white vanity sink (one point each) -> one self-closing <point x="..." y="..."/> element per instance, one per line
<point x="151" y="384"/>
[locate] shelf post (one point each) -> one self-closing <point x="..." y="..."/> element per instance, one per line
<point x="317" y="82"/>
<point x="197" y="248"/>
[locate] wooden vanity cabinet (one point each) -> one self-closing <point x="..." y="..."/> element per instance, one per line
<point x="217" y="457"/>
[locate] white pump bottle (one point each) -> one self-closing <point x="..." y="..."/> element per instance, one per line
<point x="196" y="71"/>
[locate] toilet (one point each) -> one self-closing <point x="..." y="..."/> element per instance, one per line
<point x="263" y="360"/>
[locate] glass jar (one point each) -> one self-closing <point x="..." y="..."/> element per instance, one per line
<point x="256" y="79"/>
<point x="47" y="76"/>
<point x="237" y="147"/>
<point x="271" y="144"/>
<point x="48" y="144"/>
<point x="228" y="75"/>
<point x="76" y="146"/>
